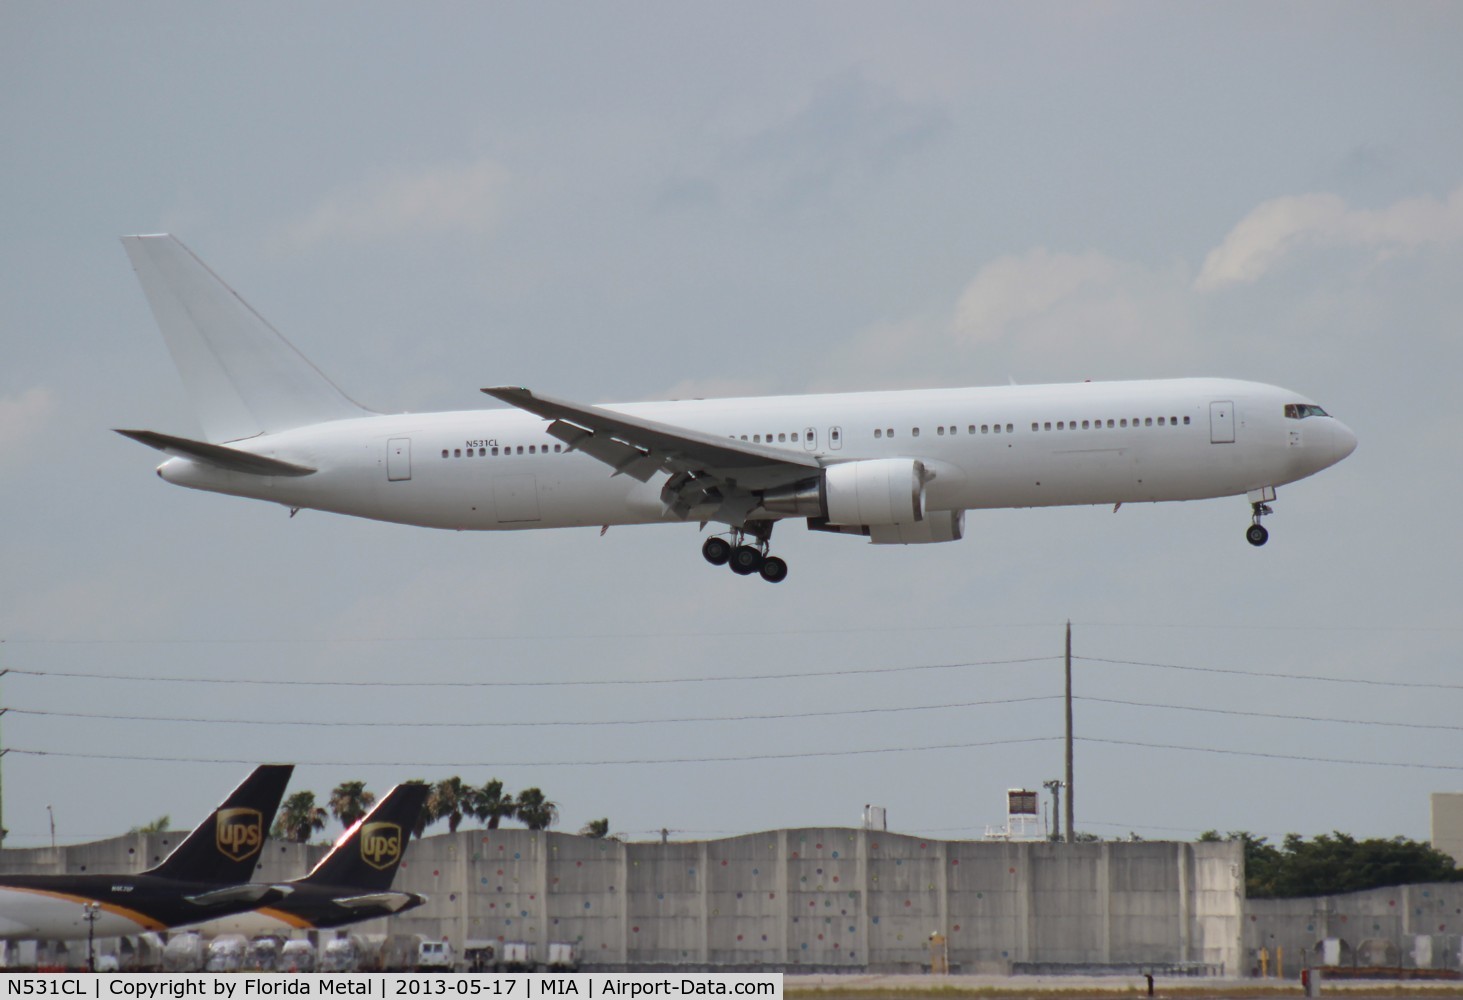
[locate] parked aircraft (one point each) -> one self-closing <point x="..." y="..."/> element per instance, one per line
<point x="206" y="875"/>
<point x="351" y="883"/>
<point x="895" y="467"/>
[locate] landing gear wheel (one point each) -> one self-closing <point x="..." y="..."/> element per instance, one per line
<point x="746" y="560"/>
<point x="1256" y="535"/>
<point x="774" y="570"/>
<point x="717" y="551"/>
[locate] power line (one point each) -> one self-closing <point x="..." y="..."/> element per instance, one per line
<point x="399" y="724"/>
<point x="1263" y="674"/>
<point x="734" y="758"/>
<point x="540" y="763"/>
<point x="598" y="682"/>
<point x="1273" y="715"/>
<point x="1274" y="756"/>
<point x="964" y="626"/>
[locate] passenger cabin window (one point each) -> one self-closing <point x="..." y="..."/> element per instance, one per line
<point x="940" y="430"/>
<point x="1299" y="411"/>
<point x="878" y="432"/>
<point x="914" y="432"/>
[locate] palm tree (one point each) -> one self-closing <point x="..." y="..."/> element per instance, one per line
<point x="160" y="825"/>
<point x="490" y="804"/>
<point x="350" y="801"/>
<point x="419" y="828"/>
<point x="536" y="812"/>
<point x="299" y="817"/>
<point x="599" y="829"/>
<point x="450" y="800"/>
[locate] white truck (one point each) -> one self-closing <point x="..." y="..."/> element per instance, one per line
<point x="563" y="956"/>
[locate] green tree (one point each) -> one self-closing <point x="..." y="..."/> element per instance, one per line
<point x="491" y="805"/>
<point x="451" y="799"/>
<point x="298" y="818"/>
<point x="1335" y="863"/>
<point x="599" y="829"/>
<point x="159" y="825"/>
<point x="349" y="801"/>
<point x="536" y="812"/>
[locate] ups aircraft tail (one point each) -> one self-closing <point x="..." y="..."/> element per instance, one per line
<point x="224" y="849"/>
<point x="367" y="855"/>
<point x="243" y="377"/>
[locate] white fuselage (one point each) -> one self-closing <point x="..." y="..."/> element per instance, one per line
<point x="1005" y="446"/>
<point x="39" y="915"/>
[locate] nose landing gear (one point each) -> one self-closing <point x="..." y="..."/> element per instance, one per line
<point x="1256" y="534"/>
<point x="746" y="553"/>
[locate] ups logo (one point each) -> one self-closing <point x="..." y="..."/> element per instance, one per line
<point x="381" y="844"/>
<point x="239" y="833"/>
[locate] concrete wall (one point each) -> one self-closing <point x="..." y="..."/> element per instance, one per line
<point x="1366" y="922"/>
<point x="823" y="898"/>
<point x="135" y="852"/>
<point x="832" y="899"/>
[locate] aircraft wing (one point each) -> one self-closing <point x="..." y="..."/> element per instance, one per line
<point x="712" y="477"/>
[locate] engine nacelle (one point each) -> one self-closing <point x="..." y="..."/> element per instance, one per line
<point x="880" y="491"/>
<point x="938" y="526"/>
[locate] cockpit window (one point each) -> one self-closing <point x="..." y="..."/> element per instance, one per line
<point x="1299" y="411"/>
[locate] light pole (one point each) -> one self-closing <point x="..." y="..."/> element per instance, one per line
<point x="90" y="916"/>
<point x="52" y="813"/>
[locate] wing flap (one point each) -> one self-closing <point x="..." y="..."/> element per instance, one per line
<point x="622" y="457"/>
<point x="221" y="456"/>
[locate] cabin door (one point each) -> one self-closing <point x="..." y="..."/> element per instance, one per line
<point x="1221" y="422"/>
<point x="398" y="459"/>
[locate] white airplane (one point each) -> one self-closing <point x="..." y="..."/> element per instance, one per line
<point x="896" y="467"/>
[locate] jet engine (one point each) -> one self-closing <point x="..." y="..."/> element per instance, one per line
<point x="879" y="491"/>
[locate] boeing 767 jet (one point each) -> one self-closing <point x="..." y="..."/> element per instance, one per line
<point x="895" y="467"/>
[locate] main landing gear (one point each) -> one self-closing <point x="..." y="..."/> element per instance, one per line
<point x="1256" y="534"/>
<point x="746" y="553"/>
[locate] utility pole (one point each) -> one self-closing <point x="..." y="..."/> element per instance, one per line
<point x="1055" y="787"/>
<point x="1071" y="790"/>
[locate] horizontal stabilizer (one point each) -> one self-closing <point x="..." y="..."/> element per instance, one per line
<point x="221" y="456"/>
<point x="388" y="902"/>
<point x="252" y="892"/>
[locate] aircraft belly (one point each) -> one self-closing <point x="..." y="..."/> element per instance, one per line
<point x="42" y="916"/>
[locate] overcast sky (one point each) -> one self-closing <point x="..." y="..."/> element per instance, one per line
<point x="655" y="200"/>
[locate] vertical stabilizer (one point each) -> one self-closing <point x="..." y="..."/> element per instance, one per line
<point x="367" y="855"/>
<point x="243" y="377"/>
<point x="225" y="848"/>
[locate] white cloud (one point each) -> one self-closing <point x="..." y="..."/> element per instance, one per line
<point x="1285" y="227"/>
<point x="1043" y="306"/>
<point x="1041" y="314"/>
<point x="23" y="416"/>
<point x="455" y="198"/>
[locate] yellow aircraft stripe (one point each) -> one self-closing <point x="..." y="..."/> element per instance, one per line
<point x="287" y="918"/>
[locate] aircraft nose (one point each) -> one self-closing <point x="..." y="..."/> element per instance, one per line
<point x="1346" y="440"/>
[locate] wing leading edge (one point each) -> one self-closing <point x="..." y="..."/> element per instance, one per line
<point x="711" y="477"/>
